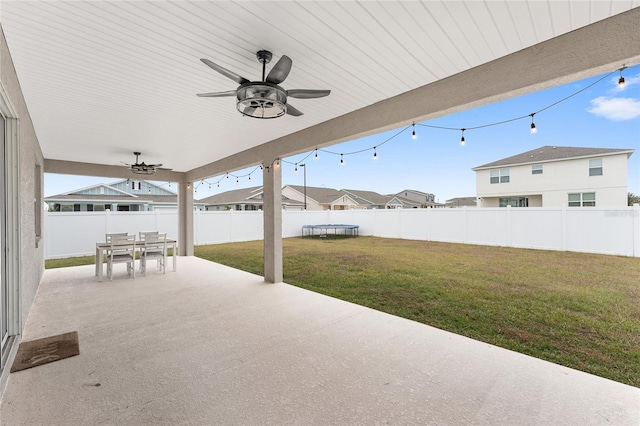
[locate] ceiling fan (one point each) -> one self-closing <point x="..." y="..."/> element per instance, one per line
<point x="142" y="168"/>
<point x="264" y="99"/>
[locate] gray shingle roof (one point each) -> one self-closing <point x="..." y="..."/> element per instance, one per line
<point x="321" y="195"/>
<point x="551" y="153"/>
<point x="235" y="196"/>
<point x="369" y="197"/>
<point x="114" y="198"/>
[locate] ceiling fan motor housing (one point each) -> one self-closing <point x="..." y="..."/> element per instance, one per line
<point x="261" y="99"/>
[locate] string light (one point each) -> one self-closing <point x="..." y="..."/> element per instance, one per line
<point x="237" y="180"/>
<point x="621" y="80"/>
<point x="534" y="130"/>
<point x="276" y="162"/>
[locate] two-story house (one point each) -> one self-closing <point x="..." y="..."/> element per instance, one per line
<point x="553" y="176"/>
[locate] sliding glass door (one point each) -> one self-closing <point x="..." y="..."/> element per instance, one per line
<point x="4" y="292"/>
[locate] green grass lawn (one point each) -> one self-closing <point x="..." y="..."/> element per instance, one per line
<point x="575" y="309"/>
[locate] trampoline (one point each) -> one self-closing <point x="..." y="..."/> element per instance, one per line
<point x="323" y="230"/>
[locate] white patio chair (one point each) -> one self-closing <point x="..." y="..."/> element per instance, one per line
<point x="108" y="235"/>
<point x="122" y="250"/>
<point x="143" y="235"/>
<point x="154" y="247"/>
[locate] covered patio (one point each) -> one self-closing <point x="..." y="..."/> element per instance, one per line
<point x="209" y="344"/>
<point x="84" y="85"/>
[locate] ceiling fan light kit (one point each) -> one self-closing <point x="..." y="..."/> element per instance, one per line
<point x="264" y="99"/>
<point x="142" y="168"/>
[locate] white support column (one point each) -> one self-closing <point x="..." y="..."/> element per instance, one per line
<point x="272" y="216"/>
<point x="185" y="219"/>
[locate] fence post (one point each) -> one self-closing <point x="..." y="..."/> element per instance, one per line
<point x="465" y="219"/>
<point x="508" y="226"/>
<point x="107" y="221"/>
<point x="636" y="230"/>
<point x="563" y="228"/>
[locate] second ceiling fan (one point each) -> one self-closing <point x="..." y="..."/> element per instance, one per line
<point x="265" y="98"/>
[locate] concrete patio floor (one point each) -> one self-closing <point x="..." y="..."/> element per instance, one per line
<point x="210" y="344"/>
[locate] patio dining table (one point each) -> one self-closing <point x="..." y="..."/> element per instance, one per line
<point x="102" y="246"/>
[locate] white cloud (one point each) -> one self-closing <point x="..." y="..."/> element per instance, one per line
<point x="616" y="109"/>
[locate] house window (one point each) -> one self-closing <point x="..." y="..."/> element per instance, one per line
<point x="584" y="199"/>
<point x="499" y="176"/>
<point x="89" y="207"/>
<point x="76" y="207"/>
<point x="107" y="206"/>
<point x="514" y="202"/>
<point x="135" y="186"/>
<point x="536" y="169"/>
<point x="595" y="167"/>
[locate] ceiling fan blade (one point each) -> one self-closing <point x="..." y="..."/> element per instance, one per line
<point x="154" y="165"/>
<point x="217" y="94"/>
<point x="280" y="71"/>
<point x="293" y="111"/>
<point x="307" y="94"/>
<point x="230" y="74"/>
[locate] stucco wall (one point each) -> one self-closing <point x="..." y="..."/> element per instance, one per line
<point x="31" y="252"/>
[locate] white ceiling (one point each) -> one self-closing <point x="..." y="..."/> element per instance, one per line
<point x="105" y="78"/>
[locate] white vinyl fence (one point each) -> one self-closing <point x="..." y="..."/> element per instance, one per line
<point x="614" y="231"/>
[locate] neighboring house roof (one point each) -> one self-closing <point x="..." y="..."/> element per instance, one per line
<point x="243" y="196"/>
<point x="236" y="196"/>
<point x="461" y="201"/>
<point x="412" y="191"/>
<point x="406" y="202"/>
<point x="369" y="197"/>
<point x="553" y="153"/>
<point x="320" y="195"/>
<point x="118" y="199"/>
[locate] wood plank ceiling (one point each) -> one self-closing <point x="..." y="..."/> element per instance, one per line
<point x="105" y="78"/>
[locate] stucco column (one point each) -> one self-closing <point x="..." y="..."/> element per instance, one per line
<point x="272" y="217"/>
<point x="185" y="219"/>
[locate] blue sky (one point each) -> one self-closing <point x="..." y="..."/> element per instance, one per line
<point x="602" y="116"/>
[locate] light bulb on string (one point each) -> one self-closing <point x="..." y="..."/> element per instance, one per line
<point x="315" y="157"/>
<point x="534" y="130"/>
<point x="341" y="160"/>
<point x="277" y="163"/>
<point x="413" y="133"/>
<point x="462" y="141"/>
<point x="621" y="80"/>
<point x="218" y="184"/>
<point x="209" y="185"/>
<point x="249" y="177"/>
<point x="237" y="179"/>
<point x="227" y="175"/>
<point x="296" y="170"/>
<point x="375" y="154"/>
